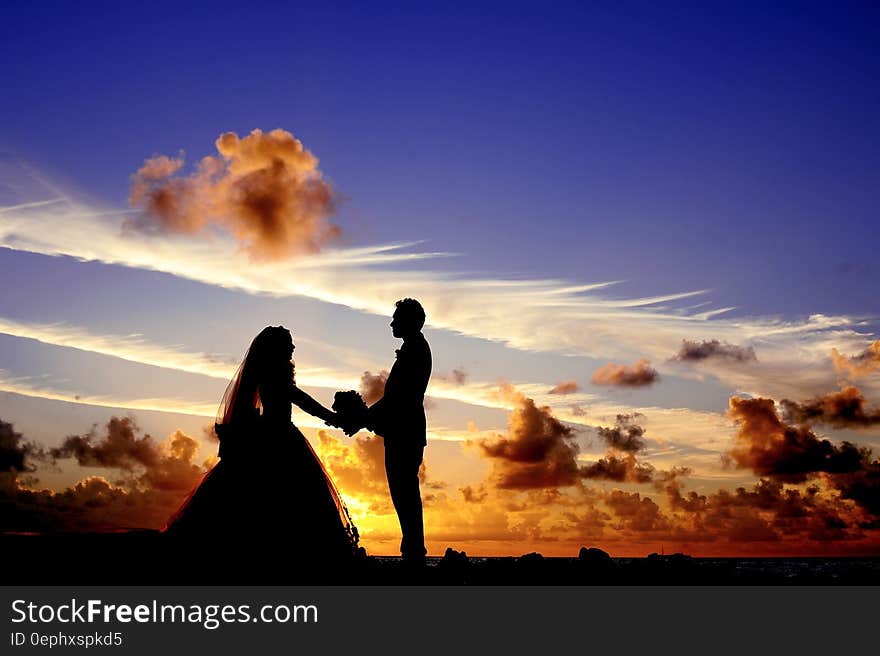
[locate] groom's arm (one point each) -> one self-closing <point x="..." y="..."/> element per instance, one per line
<point x="375" y="414"/>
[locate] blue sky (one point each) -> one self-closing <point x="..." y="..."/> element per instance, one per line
<point x="737" y="144"/>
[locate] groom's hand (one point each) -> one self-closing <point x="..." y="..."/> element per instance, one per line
<point x="351" y="429"/>
<point x="334" y="420"/>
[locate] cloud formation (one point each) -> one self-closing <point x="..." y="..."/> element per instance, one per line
<point x="16" y="455"/>
<point x="489" y="308"/>
<point x="859" y="365"/>
<point x="372" y="386"/>
<point x="693" y="351"/>
<point x="770" y="447"/>
<point x="132" y="348"/>
<point x="641" y="374"/>
<point x="843" y="409"/>
<point x="768" y="512"/>
<point x="794" y="454"/>
<point x="265" y="190"/>
<point x="538" y="451"/>
<point x="119" y="448"/>
<point x="153" y="478"/>
<point x="167" y="465"/>
<point x="541" y="453"/>
<point x="626" y="435"/>
<point x="357" y="467"/>
<point x="621" y="468"/>
<point x="566" y="387"/>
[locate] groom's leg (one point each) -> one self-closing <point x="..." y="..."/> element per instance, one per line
<point x="402" y="467"/>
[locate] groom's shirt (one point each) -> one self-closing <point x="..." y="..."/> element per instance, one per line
<point x="400" y="414"/>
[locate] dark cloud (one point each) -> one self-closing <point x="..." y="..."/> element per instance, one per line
<point x="770" y="447"/>
<point x="626" y="435"/>
<point x="154" y="477"/>
<point x="566" y="387"/>
<point x="372" y="386"/>
<point x="861" y="486"/>
<point x="120" y="448"/>
<point x="538" y="450"/>
<point x="623" y="469"/>
<point x="17" y="455"/>
<point x="588" y="523"/>
<point x="641" y="374"/>
<point x="148" y="464"/>
<point x="768" y="512"/>
<point x="843" y="409"/>
<point x="265" y="190"/>
<point x="713" y="349"/>
<point x="636" y="513"/>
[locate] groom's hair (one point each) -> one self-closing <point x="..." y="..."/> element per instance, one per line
<point x="412" y="311"/>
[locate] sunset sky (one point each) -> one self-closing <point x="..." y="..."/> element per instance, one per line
<point x="644" y="237"/>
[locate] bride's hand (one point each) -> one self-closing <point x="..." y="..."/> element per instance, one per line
<point x="334" y="420"/>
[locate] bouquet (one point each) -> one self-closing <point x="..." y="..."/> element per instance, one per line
<point x="352" y="411"/>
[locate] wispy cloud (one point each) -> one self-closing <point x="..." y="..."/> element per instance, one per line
<point x="135" y="348"/>
<point x="673" y="426"/>
<point x="132" y="348"/>
<point x="531" y="315"/>
<point x="41" y="389"/>
<point x="27" y="386"/>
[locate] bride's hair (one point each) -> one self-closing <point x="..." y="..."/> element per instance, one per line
<point x="267" y="358"/>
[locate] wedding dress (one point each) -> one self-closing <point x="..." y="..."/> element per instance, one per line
<point x="269" y="501"/>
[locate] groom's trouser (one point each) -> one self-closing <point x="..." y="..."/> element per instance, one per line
<point x="402" y="462"/>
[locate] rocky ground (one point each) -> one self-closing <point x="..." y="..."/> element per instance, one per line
<point x="145" y="558"/>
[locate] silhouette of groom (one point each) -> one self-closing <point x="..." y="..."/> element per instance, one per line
<point x="399" y="417"/>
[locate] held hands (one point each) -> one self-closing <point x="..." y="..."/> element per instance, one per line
<point x="351" y="412"/>
<point x="349" y="427"/>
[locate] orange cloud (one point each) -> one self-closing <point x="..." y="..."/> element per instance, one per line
<point x="566" y="387"/>
<point x="357" y="467"/>
<point x="538" y="450"/>
<point x="265" y="190"/>
<point x="372" y="386"/>
<point x="768" y="512"/>
<point x="641" y="374"/>
<point x="156" y="476"/>
<point x="862" y="364"/>
<point x="770" y="447"/>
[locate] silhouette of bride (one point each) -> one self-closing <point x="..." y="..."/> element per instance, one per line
<point x="269" y="501"/>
